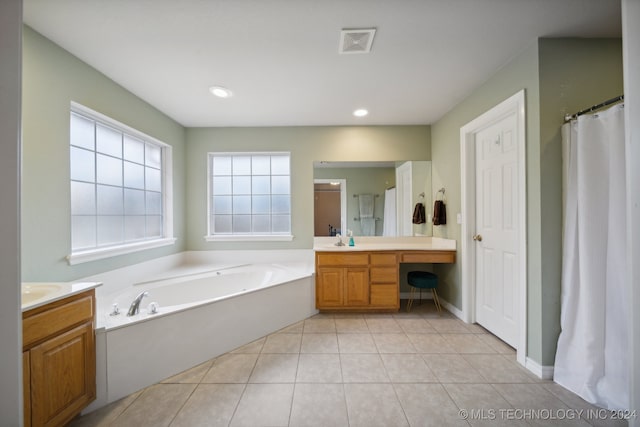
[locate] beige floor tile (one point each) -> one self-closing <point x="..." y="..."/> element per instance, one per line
<point x="231" y="368"/>
<point x="190" y="376"/>
<point x="467" y="343"/>
<point x="371" y="405"/>
<point x="356" y="343"/>
<point x="381" y="325"/>
<point x="428" y="405"/>
<point x="319" y="343"/>
<point x="320" y="325"/>
<point x="497" y="344"/>
<point x="497" y="369"/>
<point x="415" y="326"/>
<point x="430" y="343"/>
<point x="296" y="328"/>
<point x="452" y="368"/>
<point x="483" y="404"/>
<point x="393" y="343"/>
<point x="156" y="406"/>
<point x="363" y="368"/>
<point x="275" y="368"/>
<point x="210" y="405"/>
<point x="449" y="326"/>
<point x="536" y="398"/>
<point x="319" y="368"/>
<point x="252" y="347"/>
<point x="106" y="415"/>
<point x="264" y="405"/>
<point x="282" y="343"/>
<point x="593" y="414"/>
<point x="318" y="405"/>
<point x="351" y="325"/>
<point x="407" y="368"/>
<point x="475" y="328"/>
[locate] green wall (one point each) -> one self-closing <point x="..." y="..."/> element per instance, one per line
<point x="558" y="76"/>
<point x="52" y="78"/>
<point x="306" y="144"/>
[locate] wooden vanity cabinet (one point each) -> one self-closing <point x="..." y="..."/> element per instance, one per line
<point x="383" y="270"/>
<point x="342" y="280"/>
<point x="59" y="358"/>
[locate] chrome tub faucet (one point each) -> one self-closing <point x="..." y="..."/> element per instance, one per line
<point x="135" y="305"/>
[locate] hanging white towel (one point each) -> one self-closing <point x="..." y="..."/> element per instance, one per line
<point x="367" y="222"/>
<point x="389" y="220"/>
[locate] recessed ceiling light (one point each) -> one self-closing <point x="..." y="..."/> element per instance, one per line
<point x="220" y="92"/>
<point x="360" y="112"/>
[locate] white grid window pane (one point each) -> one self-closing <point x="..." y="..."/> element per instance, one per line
<point x="82" y="132"/>
<point x="153" y="155"/>
<point x="134" y="228"/>
<point x="133" y="149"/>
<point x="108" y="141"/>
<point x="83" y="198"/>
<point x="109" y="200"/>
<point x="133" y="175"/>
<point x="116" y="185"/>
<point x="250" y="193"/>
<point x="83" y="232"/>
<point x="110" y="229"/>
<point x="109" y="170"/>
<point x="83" y="165"/>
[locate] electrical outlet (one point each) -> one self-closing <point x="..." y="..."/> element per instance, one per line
<point x="459" y="218"/>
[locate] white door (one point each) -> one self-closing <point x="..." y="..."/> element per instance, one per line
<point x="403" y="199"/>
<point x="496" y="235"/>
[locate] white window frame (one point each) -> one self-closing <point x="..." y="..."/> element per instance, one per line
<point x="167" y="238"/>
<point x="245" y="237"/>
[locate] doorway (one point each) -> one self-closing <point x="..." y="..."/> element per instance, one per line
<point x="492" y="149"/>
<point x="329" y="207"/>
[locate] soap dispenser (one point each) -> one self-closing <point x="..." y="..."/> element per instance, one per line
<point x="351" y="241"/>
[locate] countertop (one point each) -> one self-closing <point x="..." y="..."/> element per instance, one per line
<point x="376" y="243"/>
<point x="36" y="294"/>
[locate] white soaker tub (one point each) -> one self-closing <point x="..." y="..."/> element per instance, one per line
<point x="205" y="308"/>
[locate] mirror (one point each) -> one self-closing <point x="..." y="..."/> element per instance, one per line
<point x="371" y="198"/>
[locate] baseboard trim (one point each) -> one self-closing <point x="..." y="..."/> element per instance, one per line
<point x="542" y="372"/>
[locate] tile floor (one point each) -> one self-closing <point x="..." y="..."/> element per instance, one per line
<point x="405" y="369"/>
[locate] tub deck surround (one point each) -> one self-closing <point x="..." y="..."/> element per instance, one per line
<point x="37" y="294"/>
<point x="195" y="322"/>
<point x="365" y="277"/>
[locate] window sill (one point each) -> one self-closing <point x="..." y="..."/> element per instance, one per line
<point x="102" y="253"/>
<point x="249" y="238"/>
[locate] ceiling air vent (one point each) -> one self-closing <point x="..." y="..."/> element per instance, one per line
<point x="356" y="40"/>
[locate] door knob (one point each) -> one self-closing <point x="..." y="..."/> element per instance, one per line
<point x="477" y="238"/>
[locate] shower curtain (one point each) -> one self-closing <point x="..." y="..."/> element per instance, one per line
<point x="591" y="357"/>
<point x="389" y="220"/>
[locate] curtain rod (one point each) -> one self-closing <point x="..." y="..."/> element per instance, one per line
<point x="569" y="117"/>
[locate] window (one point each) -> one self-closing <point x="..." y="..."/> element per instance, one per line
<point x="119" y="194"/>
<point x="249" y="196"/>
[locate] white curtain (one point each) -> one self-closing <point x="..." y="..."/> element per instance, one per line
<point x="389" y="220"/>
<point x="591" y="357"/>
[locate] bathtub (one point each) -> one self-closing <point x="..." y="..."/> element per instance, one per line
<point x="206" y="304"/>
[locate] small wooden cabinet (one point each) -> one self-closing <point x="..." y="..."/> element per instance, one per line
<point x="366" y="280"/>
<point x="59" y="358"/>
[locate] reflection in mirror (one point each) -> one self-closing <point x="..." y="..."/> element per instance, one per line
<point x="369" y="207"/>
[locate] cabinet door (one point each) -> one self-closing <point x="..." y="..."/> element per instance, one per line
<point x="63" y="376"/>
<point x="330" y="287"/>
<point x="357" y="287"/>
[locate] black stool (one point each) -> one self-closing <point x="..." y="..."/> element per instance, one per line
<point x="423" y="280"/>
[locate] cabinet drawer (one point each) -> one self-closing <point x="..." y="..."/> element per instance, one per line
<point x="384" y="295"/>
<point x="429" y="257"/>
<point x="383" y="259"/>
<point x="62" y="315"/>
<point x="342" y="259"/>
<point x="384" y="275"/>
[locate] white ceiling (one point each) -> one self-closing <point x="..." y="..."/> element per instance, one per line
<point x="280" y="57"/>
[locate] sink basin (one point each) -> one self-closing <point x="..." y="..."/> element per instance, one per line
<point x="31" y="293"/>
